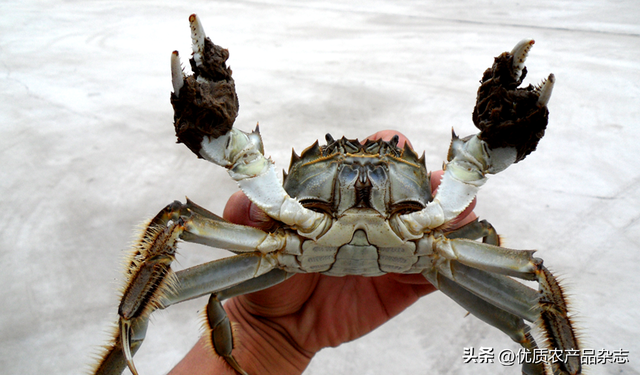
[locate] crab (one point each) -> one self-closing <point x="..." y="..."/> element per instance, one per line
<point x="347" y="208"/>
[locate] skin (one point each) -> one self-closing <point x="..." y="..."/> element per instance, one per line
<point x="279" y="330"/>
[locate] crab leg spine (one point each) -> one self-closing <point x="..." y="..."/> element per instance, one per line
<point x="125" y="337"/>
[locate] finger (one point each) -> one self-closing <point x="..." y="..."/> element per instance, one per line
<point x="282" y="299"/>
<point x="386" y="135"/>
<point x="240" y="210"/>
<point x="419" y="284"/>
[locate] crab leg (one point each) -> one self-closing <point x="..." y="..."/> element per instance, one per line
<point x="482" y="270"/>
<point x="475" y="230"/>
<point x="114" y="362"/>
<point x="217" y="325"/>
<point x="205" y="106"/>
<point x="510" y="324"/>
<point x="151" y="284"/>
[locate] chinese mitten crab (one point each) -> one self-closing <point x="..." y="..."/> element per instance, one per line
<point x="348" y="208"/>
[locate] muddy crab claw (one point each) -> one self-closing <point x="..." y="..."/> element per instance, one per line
<point x="509" y="116"/>
<point x="205" y="103"/>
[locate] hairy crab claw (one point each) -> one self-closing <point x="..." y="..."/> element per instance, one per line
<point x="509" y="116"/>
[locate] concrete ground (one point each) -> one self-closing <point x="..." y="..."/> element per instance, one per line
<point x="87" y="151"/>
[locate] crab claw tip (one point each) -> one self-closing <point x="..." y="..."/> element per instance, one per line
<point x="177" y="77"/>
<point x="125" y="337"/>
<point x="545" y="90"/>
<point x="519" y="53"/>
<point x="197" y="34"/>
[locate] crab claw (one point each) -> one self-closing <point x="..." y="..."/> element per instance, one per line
<point x="205" y="103"/>
<point x="509" y="116"/>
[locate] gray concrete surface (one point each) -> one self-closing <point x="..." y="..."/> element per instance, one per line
<point x="87" y="152"/>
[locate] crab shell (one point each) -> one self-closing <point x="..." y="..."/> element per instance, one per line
<point x="346" y="174"/>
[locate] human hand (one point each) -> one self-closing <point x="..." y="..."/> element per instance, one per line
<point x="279" y="330"/>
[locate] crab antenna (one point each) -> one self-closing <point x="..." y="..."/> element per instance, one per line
<point x="197" y="38"/>
<point x="177" y="77"/>
<point x="520" y="52"/>
<point x="545" y="89"/>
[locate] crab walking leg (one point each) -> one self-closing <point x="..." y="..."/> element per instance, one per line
<point x="218" y="327"/>
<point x="475" y="230"/>
<point x="510" y="324"/>
<point x="501" y="291"/>
<point x="482" y="269"/>
<point x="226" y="277"/>
<point x="150" y="279"/>
<point x="212" y="277"/>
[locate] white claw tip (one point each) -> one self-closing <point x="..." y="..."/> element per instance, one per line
<point x="125" y="337"/>
<point x="177" y="77"/>
<point x="545" y="90"/>
<point x="520" y="52"/>
<point x="197" y="33"/>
